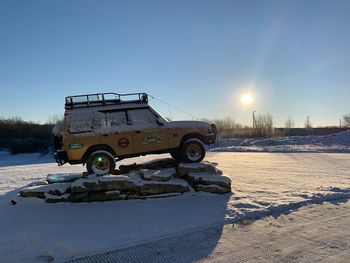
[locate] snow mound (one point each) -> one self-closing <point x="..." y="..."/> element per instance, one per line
<point x="338" y="142"/>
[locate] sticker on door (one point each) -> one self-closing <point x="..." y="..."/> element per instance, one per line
<point x="153" y="139"/>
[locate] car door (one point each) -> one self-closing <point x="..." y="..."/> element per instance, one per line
<point x="117" y="134"/>
<point x="149" y="135"/>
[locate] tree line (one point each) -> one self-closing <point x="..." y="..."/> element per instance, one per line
<point x="20" y="136"/>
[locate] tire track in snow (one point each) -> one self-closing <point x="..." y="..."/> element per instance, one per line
<point x="306" y="238"/>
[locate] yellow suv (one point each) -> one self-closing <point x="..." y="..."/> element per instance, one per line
<point x="100" y="129"/>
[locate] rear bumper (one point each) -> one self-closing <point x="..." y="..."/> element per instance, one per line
<point x="61" y="157"/>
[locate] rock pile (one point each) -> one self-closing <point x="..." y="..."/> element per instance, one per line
<point x="205" y="177"/>
<point x="160" y="178"/>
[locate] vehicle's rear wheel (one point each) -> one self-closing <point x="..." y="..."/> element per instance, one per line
<point x="100" y="163"/>
<point x="192" y="150"/>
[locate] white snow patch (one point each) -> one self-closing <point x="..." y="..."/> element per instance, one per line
<point x="158" y="175"/>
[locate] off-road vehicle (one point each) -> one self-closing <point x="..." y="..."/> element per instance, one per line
<point x="100" y="129"/>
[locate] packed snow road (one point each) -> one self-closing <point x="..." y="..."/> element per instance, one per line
<point x="315" y="233"/>
<point x="263" y="184"/>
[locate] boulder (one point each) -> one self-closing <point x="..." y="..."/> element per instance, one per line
<point x="32" y="193"/>
<point x="185" y="168"/>
<point x="57" y="198"/>
<point x="213" y="188"/>
<point x="78" y="197"/>
<point x="172" y="186"/>
<point x="158" y="175"/>
<point x="41" y="190"/>
<point x="105" y="183"/>
<point x="209" y="179"/>
<point x="106" y="196"/>
<point x="152" y="165"/>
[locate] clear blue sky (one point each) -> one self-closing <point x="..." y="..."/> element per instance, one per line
<point x="294" y="56"/>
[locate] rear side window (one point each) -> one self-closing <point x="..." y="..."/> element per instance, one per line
<point x="142" y="116"/>
<point x="81" y="122"/>
<point x="117" y="118"/>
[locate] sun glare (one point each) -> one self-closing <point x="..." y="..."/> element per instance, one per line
<point x="246" y="99"/>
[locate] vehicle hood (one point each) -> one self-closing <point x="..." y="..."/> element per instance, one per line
<point x="188" y="124"/>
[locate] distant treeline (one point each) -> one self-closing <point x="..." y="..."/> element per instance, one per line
<point x="20" y="136"/>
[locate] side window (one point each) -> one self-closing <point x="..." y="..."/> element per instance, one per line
<point x="116" y="118"/>
<point x="81" y="122"/>
<point x="142" y="116"/>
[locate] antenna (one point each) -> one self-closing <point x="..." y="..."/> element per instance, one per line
<point x="169" y="105"/>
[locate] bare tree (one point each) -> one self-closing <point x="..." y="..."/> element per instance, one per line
<point x="308" y="124"/>
<point x="53" y="119"/>
<point x="288" y="125"/>
<point x="346" y="120"/>
<point x="263" y="126"/>
<point x="225" y="127"/>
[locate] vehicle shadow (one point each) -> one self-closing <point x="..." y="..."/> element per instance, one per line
<point x="204" y="212"/>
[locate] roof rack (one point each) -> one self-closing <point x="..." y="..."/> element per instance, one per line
<point x="101" y="99"/>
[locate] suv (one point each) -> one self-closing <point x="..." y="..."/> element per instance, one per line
<point x="100" y="129"/>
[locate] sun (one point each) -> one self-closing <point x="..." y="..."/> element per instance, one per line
<point x="246" y="99"/>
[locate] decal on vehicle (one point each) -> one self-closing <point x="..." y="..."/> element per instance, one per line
<point x="123" y="142"/>
<point x="153" y="139"/>
<point x="75" y="145"/>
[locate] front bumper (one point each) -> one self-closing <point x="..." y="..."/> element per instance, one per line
<point x="61" y="157"/>
<point x="209" y="138"/>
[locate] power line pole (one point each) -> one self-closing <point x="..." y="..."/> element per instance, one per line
<point x="254" y="120"/>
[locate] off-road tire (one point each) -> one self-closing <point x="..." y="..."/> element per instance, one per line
<point x="100" y="163"/>
<point x="192" y="151"/>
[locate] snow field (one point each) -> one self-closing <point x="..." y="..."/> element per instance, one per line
<point x="263" y="184"/>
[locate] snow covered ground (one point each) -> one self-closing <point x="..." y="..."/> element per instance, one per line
<point x="315" y="233"/>
<point x="263" y="184"/>
<point x="338" y="143"/>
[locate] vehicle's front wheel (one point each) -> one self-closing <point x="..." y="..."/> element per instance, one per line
<point x="192" y="150"/>
<point x="100" y="163"/>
